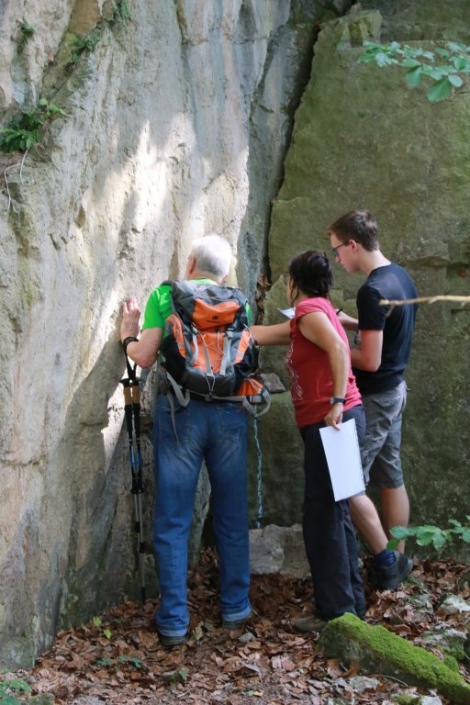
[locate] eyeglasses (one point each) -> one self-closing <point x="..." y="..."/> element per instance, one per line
<point x="335" y="249"/>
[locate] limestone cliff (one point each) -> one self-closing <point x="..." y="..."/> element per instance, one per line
<point x="177" y="118"/>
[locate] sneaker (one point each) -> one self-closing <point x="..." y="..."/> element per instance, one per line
<point x="309" y="624"/>
<point x="390" y="578"/>
<point x="172" y="641"/>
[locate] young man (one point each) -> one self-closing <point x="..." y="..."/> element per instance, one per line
<point x="379" y="362"/>
<point x="214" y="431"/>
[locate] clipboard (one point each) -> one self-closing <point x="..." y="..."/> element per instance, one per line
<point x="343" y="456"/>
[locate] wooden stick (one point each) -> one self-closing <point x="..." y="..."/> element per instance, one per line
<point x="425" y="299"/>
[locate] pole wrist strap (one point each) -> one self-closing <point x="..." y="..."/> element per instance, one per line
<point x="126" y="341"/>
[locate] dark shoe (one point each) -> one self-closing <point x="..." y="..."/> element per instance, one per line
<point x="233" y="624"/>
<point x="171" y="641"/>
<point x="390" y="578"/>
<point x="309" y="624"/>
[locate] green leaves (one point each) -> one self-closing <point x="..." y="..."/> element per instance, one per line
<point x="179" y="676"/>
<point x="420" y="63"/>
<point x="440" y="90"/>
<point x="26" y="32"/>
<point x="429" y="534"/>
<point x="97" y="622"/>
<point x="26" y="130"/>
<point x="413" y="77"/>
<point x="11" y="687"/>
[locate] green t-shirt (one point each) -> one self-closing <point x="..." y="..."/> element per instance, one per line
<point x="158" y="306"/>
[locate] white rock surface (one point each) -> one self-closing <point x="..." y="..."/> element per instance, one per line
<point x="165" y="119"/>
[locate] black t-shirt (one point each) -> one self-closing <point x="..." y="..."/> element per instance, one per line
<point x="394" y="283"/>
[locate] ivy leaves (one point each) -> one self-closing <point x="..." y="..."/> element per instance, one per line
<point x="450" y="73"/>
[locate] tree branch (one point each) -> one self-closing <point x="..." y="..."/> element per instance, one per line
<point x="426" y="299"/>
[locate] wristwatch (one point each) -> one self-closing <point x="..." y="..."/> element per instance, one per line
<point x="337" y="400"/>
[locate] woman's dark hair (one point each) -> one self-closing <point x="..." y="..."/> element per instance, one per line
<point x="311" y="273"/>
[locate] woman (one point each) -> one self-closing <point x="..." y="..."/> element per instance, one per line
<point x="324" y="393"/>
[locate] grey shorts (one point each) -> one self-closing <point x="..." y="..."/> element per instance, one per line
<point x="380" y="449"/>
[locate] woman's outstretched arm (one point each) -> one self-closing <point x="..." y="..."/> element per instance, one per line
<point x="278" y="334"/>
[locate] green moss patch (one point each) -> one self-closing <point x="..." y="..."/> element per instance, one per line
<point x="380" y="651"/>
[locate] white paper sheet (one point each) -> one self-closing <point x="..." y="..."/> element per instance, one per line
<point x="344" y="459"/>
<point x="287" y="312"/>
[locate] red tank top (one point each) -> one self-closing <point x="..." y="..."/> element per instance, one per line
<point x="309" y="368"/>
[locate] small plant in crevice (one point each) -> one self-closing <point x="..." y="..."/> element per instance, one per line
<point x="27" y="129"/>
<point x="83" y="44"/>
<point x="26" y="32"/>
<point x="121" y="12"/>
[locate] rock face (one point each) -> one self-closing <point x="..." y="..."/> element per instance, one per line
<point x="178" y="118"/>
<point x="277" y="549"/>
<point x="363" y="139"/>
<point x="179" y="115"/>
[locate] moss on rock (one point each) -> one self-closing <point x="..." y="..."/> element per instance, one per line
<point x="378" y="650"/>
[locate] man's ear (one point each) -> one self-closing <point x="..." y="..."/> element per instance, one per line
<point x="190" y="266"/>
<point x="354" y="245"/>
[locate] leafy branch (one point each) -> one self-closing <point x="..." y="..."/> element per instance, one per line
<point x="450" y="73"/>
<point x="429" y="534"/>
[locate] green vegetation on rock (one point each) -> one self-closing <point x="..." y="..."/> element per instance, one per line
<point x="27" y="129"/>
<point x="378" y="650"/>
<point x="451" y="72"/>
<point x="26" y="32"/>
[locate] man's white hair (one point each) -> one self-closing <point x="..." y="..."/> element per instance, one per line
<point x="213" y="254"/>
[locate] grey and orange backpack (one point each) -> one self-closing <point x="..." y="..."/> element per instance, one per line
<point x="208" y="352"/>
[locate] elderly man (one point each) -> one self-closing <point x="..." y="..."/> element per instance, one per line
<point x="184" y="436"/>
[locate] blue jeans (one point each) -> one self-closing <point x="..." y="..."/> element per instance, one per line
<point x="329" y="536"/>
<point x="217" y="433"/>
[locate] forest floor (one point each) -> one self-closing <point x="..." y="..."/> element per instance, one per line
<point x="118" y="659"/>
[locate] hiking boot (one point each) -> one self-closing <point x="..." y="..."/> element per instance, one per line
<point x="171" y="641"/>
<point x="309" y="624"/>
<point x="390" y="578"/>
<point x="233" y="624"/>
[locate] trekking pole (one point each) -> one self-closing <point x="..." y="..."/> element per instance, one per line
<point x="132" y="414"/>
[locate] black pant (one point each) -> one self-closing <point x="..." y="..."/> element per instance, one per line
<point x="329" y="536"/>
